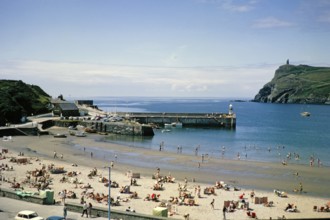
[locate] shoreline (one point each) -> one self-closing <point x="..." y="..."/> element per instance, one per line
<point x="266" y="176"/>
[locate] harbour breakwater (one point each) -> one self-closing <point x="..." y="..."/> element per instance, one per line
<point x="202" y="120"/>
<point x="13" y="131"/>
<point x="134" y="124"/>
<point x="122" y="128"/>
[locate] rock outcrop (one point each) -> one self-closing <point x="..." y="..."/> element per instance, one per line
<point x="297" y="84"/>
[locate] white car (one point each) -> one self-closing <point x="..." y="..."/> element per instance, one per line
<point x="26" y="214"/>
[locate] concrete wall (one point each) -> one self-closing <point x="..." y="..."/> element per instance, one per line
<point x="75" y="207"/>
<point x="123" y="128"/>
<point x="214" y="120"/>
<point x="12" y="194"/>
<point x="115" y="214"/>
<point x="11" y="131"/>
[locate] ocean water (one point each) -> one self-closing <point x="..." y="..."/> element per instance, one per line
<point x="264" y="132"/>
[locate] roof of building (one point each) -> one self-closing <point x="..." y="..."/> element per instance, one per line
<point x="67" y="106"/>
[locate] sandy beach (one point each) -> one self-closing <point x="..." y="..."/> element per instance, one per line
<point x="85" y="152"/>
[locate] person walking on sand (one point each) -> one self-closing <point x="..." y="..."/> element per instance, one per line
<point x="55" y="154"/>
<point x="85" y="207"/>
<point x="300" y="187"/>
<point x="90" y="206"/>
<point x="63" y="196"/>
<point x="212" y="204"/>
<point x="65" y="211"/>
<point x="224" y="210"/>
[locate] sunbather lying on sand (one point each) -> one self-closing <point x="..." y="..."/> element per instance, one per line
<point x="87" y="186"/>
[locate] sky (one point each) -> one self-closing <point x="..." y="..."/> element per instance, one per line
<point x="159" y="48"/>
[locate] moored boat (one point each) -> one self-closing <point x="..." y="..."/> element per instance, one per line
<point x="173" y="125"/>
<point x="59" y="136"/>
<point x="305" y="114"/>
<point x="80" y="134"/>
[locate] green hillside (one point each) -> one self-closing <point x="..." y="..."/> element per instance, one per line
<point x="297" y="84"/>
<point x="18" y="99"/>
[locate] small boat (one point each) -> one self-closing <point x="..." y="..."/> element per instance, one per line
<point x="57" y="170"/>
<point x="80" y="134"/>
<point x="90" y="130"/>
<point x="59" y="136"/>
<point x="173" y="125"/>
<point x="177" y="124"/>
<point x="305" y="114"/>
<point x="166" y="125"/>
<point x="6" y="138"/>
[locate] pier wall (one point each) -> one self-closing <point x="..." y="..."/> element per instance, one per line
<point x="213" y="120"/>
<point x="13" y="131"/>
<point x="123" y="128"/>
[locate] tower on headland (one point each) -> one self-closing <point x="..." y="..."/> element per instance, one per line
<point x="287" y="62"/>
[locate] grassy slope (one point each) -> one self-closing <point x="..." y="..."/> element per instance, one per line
<point x="18" y="98"/>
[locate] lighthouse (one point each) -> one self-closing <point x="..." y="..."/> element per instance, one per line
<point x="231" y="110"/>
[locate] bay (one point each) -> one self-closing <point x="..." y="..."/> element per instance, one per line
<point x="264" y="132"/>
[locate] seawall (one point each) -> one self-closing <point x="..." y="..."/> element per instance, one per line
<point x="122" y="128"/>
<point x="205" y="120"/>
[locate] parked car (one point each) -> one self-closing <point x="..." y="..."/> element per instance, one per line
<point x="27" y="214"/>
<point x="55" y="218"/>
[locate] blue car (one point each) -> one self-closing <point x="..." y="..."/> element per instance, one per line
<point x="55" y="218"/>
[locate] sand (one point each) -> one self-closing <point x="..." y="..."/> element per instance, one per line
<point x="40" y="152"/>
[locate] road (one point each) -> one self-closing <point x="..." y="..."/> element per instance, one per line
<point x="9" y="208"/>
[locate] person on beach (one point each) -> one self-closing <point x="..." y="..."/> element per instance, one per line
<point x="91" y="154"/>
<point x="63" y="196"/>
<point x="199" y="191"/>
<point x="85" y="207"/>
<point x="300" y="187"/>
<point x="212" y="204"/>
<point x="65" y="211"/>
<point x="252" y="194"/>
<point x="224" y="210"/>
<point x="90" y="206"/>
<point x="55" y="154"/>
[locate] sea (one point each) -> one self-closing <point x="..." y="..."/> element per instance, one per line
<point x="264" y="131"/>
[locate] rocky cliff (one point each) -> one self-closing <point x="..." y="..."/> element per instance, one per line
<point x="297" y="84"/>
